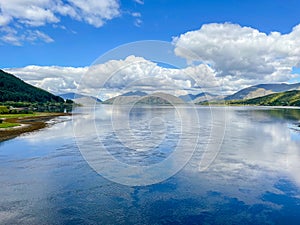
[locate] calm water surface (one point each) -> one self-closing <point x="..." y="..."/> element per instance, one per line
<point x="255" y="178"/>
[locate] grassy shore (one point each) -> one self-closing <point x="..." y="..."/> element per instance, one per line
<point x="8" y="125"/>
<point x="14" y="125"/>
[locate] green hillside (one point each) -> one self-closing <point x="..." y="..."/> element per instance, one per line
<point x="158" y="98"/>
<point x="262" y="90"/>
<point x="288" y="98"/>
<point x="15" y="90"/>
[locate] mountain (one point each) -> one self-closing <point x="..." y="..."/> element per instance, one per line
<point x="74" y="96"/>
<point x="201" y="97"/>
<point x="262" y="90"/>
<point x="126" y="98"/>
<point x="158" y="98"/>
<point x="288" y="98"/>
<point x="71" y="95"/>
<point x="191" y="97"/>
<point x="135" y="93"/>
<point x="209" y="97"/>
<point x="86" y="101"/>
<point x="16" y="90"/>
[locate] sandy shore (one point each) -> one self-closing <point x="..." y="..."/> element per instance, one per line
<point x="27" y="124"/>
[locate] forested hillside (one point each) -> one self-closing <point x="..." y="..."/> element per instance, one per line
<point x="288" y="98"/>
<point x="16" y="90"/>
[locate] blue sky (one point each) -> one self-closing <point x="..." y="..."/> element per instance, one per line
<point x="53" y="37"/>
<point x="82" y="43"/>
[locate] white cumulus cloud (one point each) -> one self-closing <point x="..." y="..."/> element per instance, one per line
<point x="15" y="37"/>
<point x="118" y="76"/>
<point x="242" y="54"/>
<point x="93" y="12"/>
<point x="20" y="15"/>
<point x="54" y="79"/>
<point x="136" y="73"/>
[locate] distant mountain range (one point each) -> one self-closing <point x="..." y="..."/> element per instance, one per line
<point x="160" y="98"/>
<point x="262" y="90"/>
<point x="244" y="94"/>
<point x="16" y="90"/>
<point x="126" y="98"/>
<point x="135" y="93"/>
<point x="201" y="97"/>
<point x="80" y="99"/>
<point x="139" y="97"/>
<point x="71" y="95"/>
<point x="191" y="97"/>
<point x="287" y="98"/>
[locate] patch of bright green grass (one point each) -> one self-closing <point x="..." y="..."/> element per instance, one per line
<point x="8" y="125"/>
<point x="18" y="115"/>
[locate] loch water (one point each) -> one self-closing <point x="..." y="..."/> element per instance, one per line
<point x="252" y="175"/>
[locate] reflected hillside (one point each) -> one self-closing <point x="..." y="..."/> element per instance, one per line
<point x="280" y="113"/>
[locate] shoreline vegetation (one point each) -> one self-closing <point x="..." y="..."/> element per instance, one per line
<point x="25" y="108"/>
<point x="288" y="98"/>
<point x="17" y="118"/>
<point x="13" y="125"/>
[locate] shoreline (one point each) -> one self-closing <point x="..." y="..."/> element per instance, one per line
<point x="27" y="124"/>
